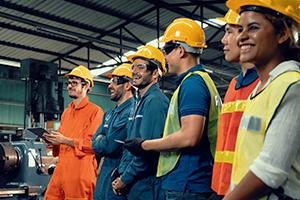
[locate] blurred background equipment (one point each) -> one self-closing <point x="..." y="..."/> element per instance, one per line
<point x="43" y="91"/>
<point x="24" y="165"/>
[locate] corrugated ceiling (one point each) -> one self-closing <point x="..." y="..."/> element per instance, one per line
<point x="54" y="29"/>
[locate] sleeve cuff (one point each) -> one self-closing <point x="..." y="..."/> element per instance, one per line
<point x="78" y="148"/>
<point x="270" y="175"/>
<point x="127" y="178"/>
<point x="193" y="112"/>
<point x="95" y="145"/>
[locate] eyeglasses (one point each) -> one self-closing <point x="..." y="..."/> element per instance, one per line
<point x="140" y="67"/>
<point x="74" y="83"/>
<point x="169" y="47"/>
<point x="118" y="80"/>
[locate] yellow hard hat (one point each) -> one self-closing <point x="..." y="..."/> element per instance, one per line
<point x="82" y="72"/>
<point x="123" y="70"/>
<point x="289" y="8"/>
<point x="187" y="31"/>
<point x="152" y="53"/>
<point x="231" y="17"/>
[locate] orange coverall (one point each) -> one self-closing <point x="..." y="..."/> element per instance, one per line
<point x="74" y="177"/>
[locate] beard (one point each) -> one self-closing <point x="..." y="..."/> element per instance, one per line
<point x="73" y="96"/>
<point x="115" y="98"/>
<point x="145" y="82"/>
<point x="118" y="94"/>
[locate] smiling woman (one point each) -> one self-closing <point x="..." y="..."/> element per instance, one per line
<point x="266" y="162"/>
<point x="266" y="38"/>
<point x="256" y="40"/>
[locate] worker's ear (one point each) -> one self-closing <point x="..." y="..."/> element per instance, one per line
<point x="181" y="51"/>
<point x="127" y="86"/>
<point x="87" y="86"/>
<point x="155" y="74"/>
<point x="284" y="36"/>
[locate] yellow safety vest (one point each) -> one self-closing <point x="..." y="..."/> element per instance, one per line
<point x="168" y="160"/>
<point x="257" y="116"/>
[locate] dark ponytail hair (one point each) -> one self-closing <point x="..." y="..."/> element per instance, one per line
<point x="290" y="48"/>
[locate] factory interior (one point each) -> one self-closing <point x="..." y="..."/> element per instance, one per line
<point x="42" y="41"/>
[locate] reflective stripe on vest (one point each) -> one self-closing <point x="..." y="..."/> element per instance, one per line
<point x="224" y="157"/>
<point x="235" y="106"/>
<point x="255" y="121"/>
<point x="168" y="160"/>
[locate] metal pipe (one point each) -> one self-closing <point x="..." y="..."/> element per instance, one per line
<point x="65" y="32"/>
<point x="88" y="57"/>
<point x="157" y="26"/>
<point x="121" y="44"/>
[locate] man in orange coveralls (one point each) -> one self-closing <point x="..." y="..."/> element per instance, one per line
<point x="74" y="177"/>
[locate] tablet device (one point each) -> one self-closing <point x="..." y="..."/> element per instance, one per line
<point x="38" y="131"/>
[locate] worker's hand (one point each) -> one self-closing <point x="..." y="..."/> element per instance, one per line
<point x="117" y="186"/>
<point x="56" y="138"/>
<point x="134" y="146"/>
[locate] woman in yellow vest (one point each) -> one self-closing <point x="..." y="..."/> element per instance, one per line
<point x="267" y="159"/>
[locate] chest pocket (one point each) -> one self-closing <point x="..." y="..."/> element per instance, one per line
<point x="107" y="120"/>
<point x="135" y="121"/>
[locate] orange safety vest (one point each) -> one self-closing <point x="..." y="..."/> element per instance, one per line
<point x="229" y="121"/>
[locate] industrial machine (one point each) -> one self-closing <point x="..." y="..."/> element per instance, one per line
<point x="25" y="163"/>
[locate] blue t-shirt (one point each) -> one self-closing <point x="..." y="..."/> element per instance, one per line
<point x="193" y="171"/>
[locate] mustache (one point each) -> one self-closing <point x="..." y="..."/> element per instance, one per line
<point x="136" y="75"/>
